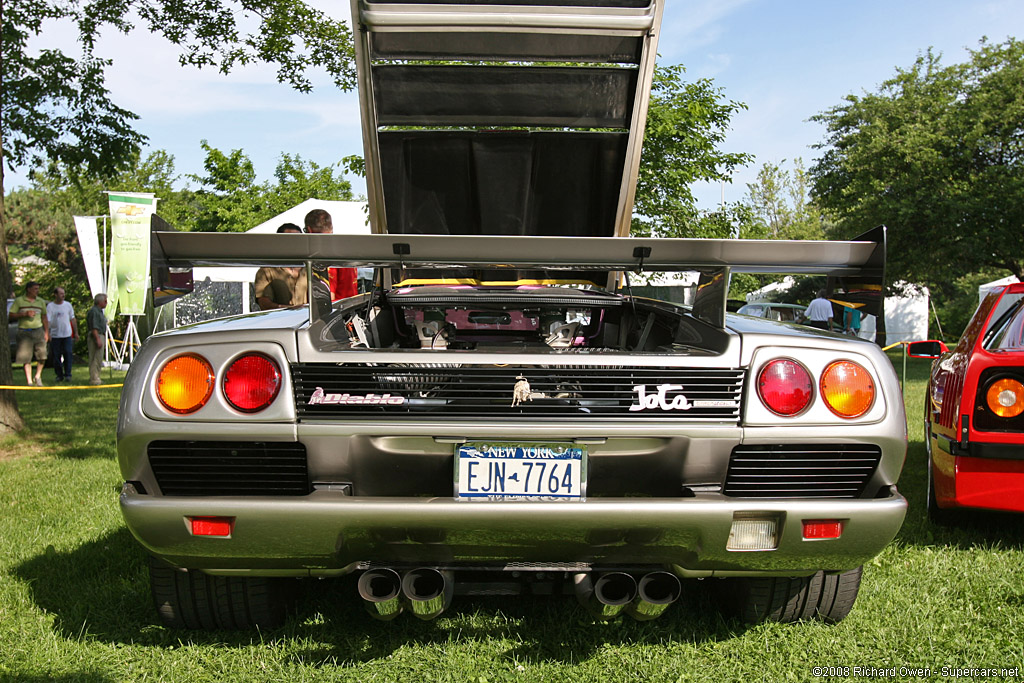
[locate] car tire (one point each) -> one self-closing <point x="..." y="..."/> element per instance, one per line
<point x="936" y="515"/>
<point x="828" y="597"/>
<point x="190" y="599"/>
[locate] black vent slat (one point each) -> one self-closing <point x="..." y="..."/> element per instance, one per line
<point x="452" y="391"/>
<point x="801" y="471"/>
<point x="229" y="468"/>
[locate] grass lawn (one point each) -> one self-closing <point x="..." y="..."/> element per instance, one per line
<point x="75" y="606"/>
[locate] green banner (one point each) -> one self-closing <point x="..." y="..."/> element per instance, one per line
<point x="128" y="279"/>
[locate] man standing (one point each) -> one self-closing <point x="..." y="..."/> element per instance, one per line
<point x="33" y="331"/>
<point x="96" y="331"/>
<point x="63" y="333"/>
<point x="280" y="287"/>
<point x="343" y="280"/>
<point x="819" y="312"/>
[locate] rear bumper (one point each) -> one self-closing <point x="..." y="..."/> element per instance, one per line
<point x="990" y="483"/>
<point x="327" y="533"/>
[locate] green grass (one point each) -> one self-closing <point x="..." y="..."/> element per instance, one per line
<point x="75" y="606"/>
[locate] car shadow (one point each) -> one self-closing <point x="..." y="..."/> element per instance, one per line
<point x="100" y="591"/>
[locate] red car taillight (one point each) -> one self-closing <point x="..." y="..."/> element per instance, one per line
<point x="784" y="387"/>
<point x="251" y="382"/>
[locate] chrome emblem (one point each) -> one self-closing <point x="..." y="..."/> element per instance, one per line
<point x="521" y="391"/>
<point x="320" y="398"/>
<point x="659" y="400"/>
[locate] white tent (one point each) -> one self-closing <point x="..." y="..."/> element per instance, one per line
<point x="995" y="284"/>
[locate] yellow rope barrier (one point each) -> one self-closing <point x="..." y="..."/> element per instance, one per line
<point x="83" y="386"/>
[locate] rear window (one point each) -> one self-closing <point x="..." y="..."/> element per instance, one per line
<point x="1006" y="329"/>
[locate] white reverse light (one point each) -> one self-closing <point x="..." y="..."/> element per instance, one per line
<point x="753" y="534"/>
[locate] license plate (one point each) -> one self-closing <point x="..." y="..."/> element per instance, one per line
<point x="520" y="471"/>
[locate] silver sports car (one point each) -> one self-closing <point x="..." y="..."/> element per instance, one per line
<point x="499" y="414"/>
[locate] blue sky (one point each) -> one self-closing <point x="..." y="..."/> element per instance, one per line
<point x="787" y="60"/>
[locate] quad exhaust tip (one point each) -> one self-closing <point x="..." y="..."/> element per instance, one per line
<point x="428" y="591"/>
<point x="610" y="594"/>
<point x="381" y="591"/>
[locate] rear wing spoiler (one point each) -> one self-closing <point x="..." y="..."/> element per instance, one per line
<point x="855" y="267"/>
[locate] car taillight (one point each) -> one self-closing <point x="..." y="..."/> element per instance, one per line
<point x="185" y="383"/>
<point x="847" y="388"/>
<point x="784" y="387"/>
<point x="251" y="382"/>
<point x="1005" y="397"/>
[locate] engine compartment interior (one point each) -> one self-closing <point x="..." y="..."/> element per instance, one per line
<point x="516" y="319"/>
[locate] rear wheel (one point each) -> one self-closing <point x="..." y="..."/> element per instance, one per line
<point x="936" y="515"/>
<point x="828" y="597"/>
<point x="190" y="599"/>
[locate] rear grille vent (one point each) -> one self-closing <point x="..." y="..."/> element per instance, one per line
<point x="801" y="471"/>
<point x="229" y="468"/>
<point x="440" y="391"/>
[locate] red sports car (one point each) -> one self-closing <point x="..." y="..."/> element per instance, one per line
<point x="974" y="412"/>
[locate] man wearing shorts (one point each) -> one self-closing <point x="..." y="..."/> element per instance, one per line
<point x="33" y="331"/>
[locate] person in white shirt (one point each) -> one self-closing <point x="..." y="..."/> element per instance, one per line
<point x="63" y="333"/>
<point x="819" y="312"/>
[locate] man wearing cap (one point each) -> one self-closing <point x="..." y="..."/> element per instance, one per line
<point x="33" y="331"/>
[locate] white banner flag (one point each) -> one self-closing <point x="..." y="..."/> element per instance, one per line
<point x="89" y="242"/>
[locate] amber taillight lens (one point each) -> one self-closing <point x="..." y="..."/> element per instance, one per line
<point x="784" y="387"/>
<point x="251" y="382"/>
<point x="185" y="383"/>
<point x="847" y="389"/>
<point x="1005" y="397"/>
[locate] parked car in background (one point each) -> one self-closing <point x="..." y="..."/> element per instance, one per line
<point x="974" y="411"/>
<point x="770" y="310"/>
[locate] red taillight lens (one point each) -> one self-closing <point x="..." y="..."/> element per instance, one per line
<point x="847" y="388"/>
<point x="1005" y="397"/>
<point x="185" y="383"/>
<point x="784" y="387"/>
<point x="822" y="528"/>
<point x="251" y="383"/>
<point x="212" y="526"/>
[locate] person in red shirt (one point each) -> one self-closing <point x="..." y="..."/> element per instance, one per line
<point x="343" y="280"/>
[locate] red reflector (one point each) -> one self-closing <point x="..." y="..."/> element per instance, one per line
<point x="212" y="526"/>
<point x="822" y="528"/>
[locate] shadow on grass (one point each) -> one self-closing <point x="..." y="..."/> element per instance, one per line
<point x="101" y="591"/>
<point x="91" y="676"/>
<point x="73" y="423"/>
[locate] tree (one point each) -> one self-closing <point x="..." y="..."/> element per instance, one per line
<point x="936" y="154"/>
<point x="686" y="125"/>
<point x="232" y="200"/>
<point x="55" y="107"/>
<point x="781" y="205"/>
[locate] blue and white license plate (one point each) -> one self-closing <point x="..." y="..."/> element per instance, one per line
<point x="498" y="470"/>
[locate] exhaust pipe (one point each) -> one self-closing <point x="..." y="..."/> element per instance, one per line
<point x="655" y="592"/>
<point x="606" y="597"/>
<point x="429" y="591"/>
<point x="381" y="591"/>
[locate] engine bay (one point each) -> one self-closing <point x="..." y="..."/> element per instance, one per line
<point x="519" y="319"/>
